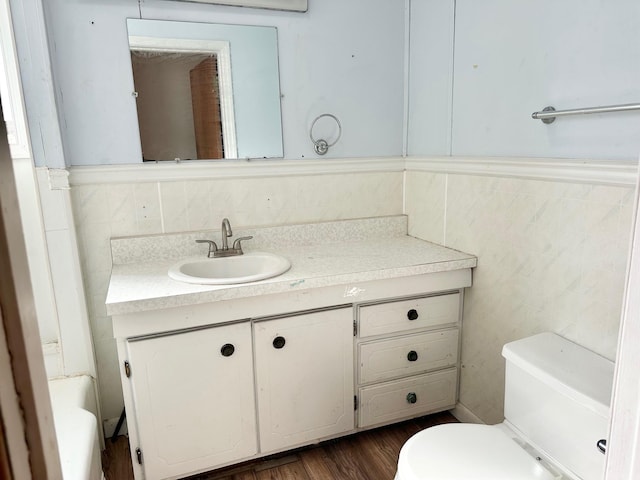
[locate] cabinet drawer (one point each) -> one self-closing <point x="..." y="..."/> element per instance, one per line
<point x="407" y="355"/>
<point x="411" y="397"/>
<point x="408" y="315"/>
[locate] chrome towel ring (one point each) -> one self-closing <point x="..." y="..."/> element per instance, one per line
<point x="321" y="146"/>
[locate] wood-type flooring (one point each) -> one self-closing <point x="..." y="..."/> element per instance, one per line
<point x="370" y="455"/>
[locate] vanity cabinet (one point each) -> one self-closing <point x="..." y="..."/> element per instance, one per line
<point x="213" y="384"/>
<point x="407" y="354"/>
<point x="304" y="377"/>
<point x="193" y="399"/>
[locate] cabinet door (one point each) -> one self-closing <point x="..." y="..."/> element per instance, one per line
<point x="304" y="377"/>
<point x="194" y="399"/>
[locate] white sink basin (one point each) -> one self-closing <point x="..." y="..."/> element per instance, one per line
<point x="246" y="268"/>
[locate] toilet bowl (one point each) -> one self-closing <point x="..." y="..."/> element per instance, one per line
<point x="468" y="451"/>
<point x="557" y="397"/>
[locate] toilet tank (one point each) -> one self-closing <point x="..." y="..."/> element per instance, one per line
<point x="557" y="396"/>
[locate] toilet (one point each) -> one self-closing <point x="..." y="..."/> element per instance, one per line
<point x="557" y="399"/>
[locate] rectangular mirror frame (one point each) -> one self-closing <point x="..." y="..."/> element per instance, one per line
<point x="253" y="117"/>
<point x="292" y="5"/>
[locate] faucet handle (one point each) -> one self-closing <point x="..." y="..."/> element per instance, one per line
<point x="212" y="246"/>
<point x="237" y="246"/>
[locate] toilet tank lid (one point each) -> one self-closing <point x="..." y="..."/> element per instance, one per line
<point x="565" y="366"/>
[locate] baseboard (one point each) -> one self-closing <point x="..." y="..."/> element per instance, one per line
<point x="465" y="415"/>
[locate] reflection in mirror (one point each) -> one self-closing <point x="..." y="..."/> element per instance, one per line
<point x="184" y="99"/>
<point x="206" y="91"/>
<point x="178" y="105"/>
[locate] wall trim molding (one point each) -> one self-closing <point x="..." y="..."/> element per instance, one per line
<point x="598" y="172"/>
<point x="291" y="5"/>
<point x="225" y="169"/>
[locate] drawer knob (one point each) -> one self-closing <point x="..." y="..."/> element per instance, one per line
<point x="412" y="356"/>
<point x="412" y="314"/>
<point x="412" y="397"/>
<point x="279" y="342"/>
<point x="227" y="350"/>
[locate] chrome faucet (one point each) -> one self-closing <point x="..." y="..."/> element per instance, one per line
<point x="226" y="233"/>
<point x="225" y="251"/>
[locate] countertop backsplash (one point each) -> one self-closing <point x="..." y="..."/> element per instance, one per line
<point x="171" y="246"/>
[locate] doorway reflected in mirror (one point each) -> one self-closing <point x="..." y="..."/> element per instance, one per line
<point x="178" y="101"/>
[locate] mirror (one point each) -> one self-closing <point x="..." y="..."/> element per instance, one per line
<point x="206" y="91"/>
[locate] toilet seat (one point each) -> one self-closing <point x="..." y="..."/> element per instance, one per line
<point x="458" y="451"/>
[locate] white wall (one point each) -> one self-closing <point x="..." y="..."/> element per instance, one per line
<point x="514" y="58"/>
<point x="37" y="83"/>
<point x="344" y="58"/>
<point x="431" y="28"/>
<point x="76" y="348"/>
<point x="35" y="242"/>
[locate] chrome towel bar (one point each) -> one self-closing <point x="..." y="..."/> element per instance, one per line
<point x="549" y="114"/>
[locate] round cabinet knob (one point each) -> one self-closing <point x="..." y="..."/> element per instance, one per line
<point x="412" y="356"/>
<point x="227" y="350"/>
<point x="279" y="342"/>
<point x="412" y="397"/>
<point x="412" y="314"/>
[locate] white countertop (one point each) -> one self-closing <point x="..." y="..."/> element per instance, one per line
<point x="142" y="286"/>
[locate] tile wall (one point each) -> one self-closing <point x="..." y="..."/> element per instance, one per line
<point x="551" y="256"/>
<point x="110" y="210"/>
